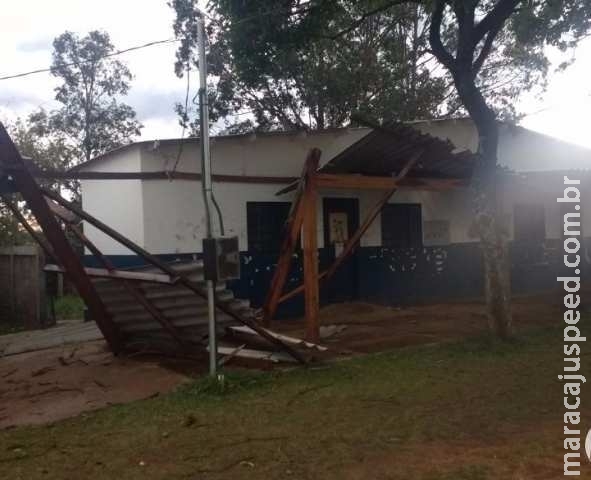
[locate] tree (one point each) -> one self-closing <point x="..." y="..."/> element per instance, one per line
<point x="463" y="36"/>
<point x="379" y="70"/>
<point x="47" y="152"/>
<point x="493" y="50"/>
<point x="11" y="233"/>
<point x="91" y="119"/>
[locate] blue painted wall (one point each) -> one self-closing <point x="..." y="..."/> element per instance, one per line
<point x="413" y="275"/>
<point x="390" y="276"/>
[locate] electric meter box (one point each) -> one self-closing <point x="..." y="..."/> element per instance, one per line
<point x="221" y="258"/>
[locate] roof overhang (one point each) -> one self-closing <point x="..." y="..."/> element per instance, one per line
<point x="374" y="162"/>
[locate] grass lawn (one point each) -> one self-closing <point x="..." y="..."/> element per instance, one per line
<point x="69" y="307"/>
<point x="469" y="411"/>
<point x="7" y="329"/>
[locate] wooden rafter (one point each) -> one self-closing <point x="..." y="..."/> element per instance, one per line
<point x="34" y="234"/>
<point x="132" y="288"/>
<point x="326" y="180"/>
<point x="353" y="242"/>
<point x="354" y="181"/>
<point x="365" y="182"/>
<point x="61" y="212"/>
<point x="181" y="278"/>
<point x="11" y="159"/>
<point x="310" y="241"/>
<point x="291" y="234"/>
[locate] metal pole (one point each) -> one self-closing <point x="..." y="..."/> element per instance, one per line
<point x="206" y="183"/>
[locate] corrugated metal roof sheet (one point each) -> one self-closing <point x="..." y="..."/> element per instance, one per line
<point x="385" y="151"/>
<point x="181" y="307"/>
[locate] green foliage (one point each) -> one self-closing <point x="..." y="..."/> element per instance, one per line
<point x="11" y="233"/>
<point x="313" y="63"/>
<point x="228" y="383"/>
<point x="7" y="329"/>
<point x="69" y="307"/>
<point x="502" y="45"/>
<point x="459" y="410"/>
<point x="91" y="119"/>
<point x="278" y="69"/>
<point x="48" y="150"/>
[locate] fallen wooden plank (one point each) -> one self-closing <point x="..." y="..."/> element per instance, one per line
<point x="132" y="288"/>
<point x="310" y="244"/>
<point x="291" y="234"/>
<point x="230" y="356"/>
<point x="120" y="275"/>
<point x="31" y="193"/>
<point x="62" y="212"/>
<point x="274" y="357"/>
<point x="353" y="242"/>
<point x="284" y="338"/>
<point x="363" y="182"/>
<point x="183" y="279"/>
<point x="156" y="175"/>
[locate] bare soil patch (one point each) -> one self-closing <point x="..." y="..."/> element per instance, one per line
<point x="468" y="410"/>
<point x="46" y="386"/>
<point x="374" y="328"/>
<point x="49" y="385"/>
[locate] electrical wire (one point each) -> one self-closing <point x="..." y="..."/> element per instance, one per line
<point x="112" y="54"/>
<point x="138" y="47"/>
<point x="220" y="216"/>
<point x="182" y="142"/>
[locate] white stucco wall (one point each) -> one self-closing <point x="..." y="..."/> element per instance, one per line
<point x="167" y="216"/>
<point x="544" y="189"/>
<point x="251" y="155"/>
<point x="520" y="150"/>
<point x="174" y="218"/>
<point x="119" y="203"/>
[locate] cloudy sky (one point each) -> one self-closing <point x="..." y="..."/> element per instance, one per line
<point x="29" y="26"/>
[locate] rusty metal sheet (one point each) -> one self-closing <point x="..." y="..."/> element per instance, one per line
<point x="385" y="150"/>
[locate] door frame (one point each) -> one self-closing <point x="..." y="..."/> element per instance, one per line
<point x="349" y="205"/>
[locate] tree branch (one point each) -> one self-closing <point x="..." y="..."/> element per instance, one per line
<point x="435" y="37"/>
<point x="366" y="15"/>
<point x="494" y="20"/>
<point x="485" y="51"/>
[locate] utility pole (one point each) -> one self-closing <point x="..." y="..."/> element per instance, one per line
<point x="206" y="183"/>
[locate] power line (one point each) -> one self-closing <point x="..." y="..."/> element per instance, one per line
<point x="182" y="142"/>
<point x="113" y="54"/>
<point x="137" y="47"/>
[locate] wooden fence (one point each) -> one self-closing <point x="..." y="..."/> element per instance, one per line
<point x="23" y="299"/>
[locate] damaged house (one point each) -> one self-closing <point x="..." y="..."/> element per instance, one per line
<point x="419" y="247"/>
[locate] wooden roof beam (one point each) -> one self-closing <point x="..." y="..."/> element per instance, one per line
<point x="366" y="182"/>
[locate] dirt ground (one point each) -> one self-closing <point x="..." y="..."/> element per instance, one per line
<point x="54" y="384"/>
<point x="366" y="328"/>
<point x="50" y="385"/>
<point x="469" y="410"/>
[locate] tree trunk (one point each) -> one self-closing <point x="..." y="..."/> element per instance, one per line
<point x="493" y="240"/>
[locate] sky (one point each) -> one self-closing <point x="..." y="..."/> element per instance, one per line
<point x="29" y="27"/>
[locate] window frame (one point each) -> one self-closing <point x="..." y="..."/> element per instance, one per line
<point x="521" y="239"/>
<point x="412" y="240"/>
<point x="252" y="243"/>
